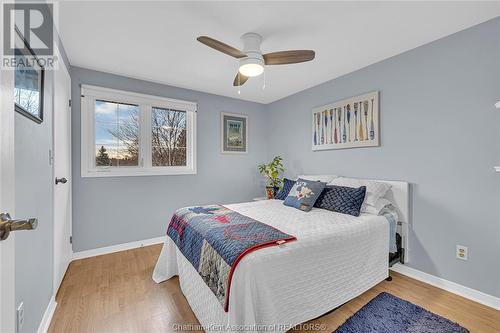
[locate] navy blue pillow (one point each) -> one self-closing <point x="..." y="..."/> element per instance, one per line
<point x="342" y="199"/>
<point x="304" y="194"/>
<point x="287" y="186"/>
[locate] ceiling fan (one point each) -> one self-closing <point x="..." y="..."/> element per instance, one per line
<point x="252" y="60"/>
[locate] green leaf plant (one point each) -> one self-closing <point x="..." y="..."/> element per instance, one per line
<point x="272" y="171"/>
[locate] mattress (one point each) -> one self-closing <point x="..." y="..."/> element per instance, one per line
<point x="335" y="258"/>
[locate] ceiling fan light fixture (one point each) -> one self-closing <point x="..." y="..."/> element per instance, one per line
<point x="251" y="67"/>
<point x="252" y="60"/>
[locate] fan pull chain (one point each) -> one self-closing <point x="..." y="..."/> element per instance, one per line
<point x="264" y="84"/>
<point x="239" y="80"/>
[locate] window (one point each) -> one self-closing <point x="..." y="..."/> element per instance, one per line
<point x="129" y="134"/>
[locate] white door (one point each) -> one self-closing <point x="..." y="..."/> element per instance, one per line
<point x="7" y="259"/>
<point x="62" y="173"/>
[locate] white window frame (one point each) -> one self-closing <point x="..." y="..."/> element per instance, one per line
<point x="145" y="102"/>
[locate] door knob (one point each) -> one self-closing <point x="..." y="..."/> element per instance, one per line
<point x="7" y="225"/>
<point x="61" y="180"/>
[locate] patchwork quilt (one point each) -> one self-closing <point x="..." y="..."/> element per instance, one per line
<point x="214" y="239"/>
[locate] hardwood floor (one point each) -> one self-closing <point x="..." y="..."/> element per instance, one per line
<point x="115" y="293"/>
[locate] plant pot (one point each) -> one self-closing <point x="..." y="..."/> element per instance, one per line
<point x="270" y="192"/>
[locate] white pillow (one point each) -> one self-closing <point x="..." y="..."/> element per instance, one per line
<point x="374" y="190"/>
<point x="379" y="206"/>
<point x="320" y="178"/>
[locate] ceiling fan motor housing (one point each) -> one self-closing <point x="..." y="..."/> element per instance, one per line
<point x="251" y="42"/>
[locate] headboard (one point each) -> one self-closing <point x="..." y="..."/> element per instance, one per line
<point x="399" y="195"/>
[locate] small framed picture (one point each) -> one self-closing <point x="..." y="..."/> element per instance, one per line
<point x="28" y="81"/>
<point x="234" y="133"/>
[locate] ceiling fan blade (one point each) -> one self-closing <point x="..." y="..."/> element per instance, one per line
<point x="221" y="47"/>
<point x="240" y="79"/>
<point x="288" y="57"/>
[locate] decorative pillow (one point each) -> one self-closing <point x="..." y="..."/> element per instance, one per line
<point x="287" y="186"/>
<point x="342" y="199"/>
<point x="374" y="190"/>
<point x="303" y="194"/>
<point x="319" y="178"/>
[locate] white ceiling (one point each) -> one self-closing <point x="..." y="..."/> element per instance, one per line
<point x="156" y="41"/>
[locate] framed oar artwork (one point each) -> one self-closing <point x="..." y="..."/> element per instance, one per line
<point x="349" y="123"/>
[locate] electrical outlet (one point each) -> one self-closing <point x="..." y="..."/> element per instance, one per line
<point x="462" y="252"/>
<point x="20" y="316"/>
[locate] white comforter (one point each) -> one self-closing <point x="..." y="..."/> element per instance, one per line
<point x="335" y="258"/>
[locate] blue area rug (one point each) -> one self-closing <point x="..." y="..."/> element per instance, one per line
<point x="389" y="314"/>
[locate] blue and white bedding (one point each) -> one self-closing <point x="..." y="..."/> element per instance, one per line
<point x="335" y="258"/>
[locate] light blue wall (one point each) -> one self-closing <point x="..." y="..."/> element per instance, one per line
<point x="109" y="211"/>
<point x="439" y="131"/>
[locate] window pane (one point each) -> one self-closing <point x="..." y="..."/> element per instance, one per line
<point x="168" y="137"/>
<point x="128" y="134"/>
<point x="117" y="132"/>
<point x="27" y="89"/>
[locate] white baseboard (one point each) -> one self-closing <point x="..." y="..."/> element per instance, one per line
<point x="117" y="248"/>
<point x="47" y="316"/>
<point x="472" y="294"/>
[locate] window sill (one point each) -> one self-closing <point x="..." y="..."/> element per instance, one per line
<point x="137" y="172"/>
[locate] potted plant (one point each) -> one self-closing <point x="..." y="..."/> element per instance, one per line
<point x="272" y="172"/>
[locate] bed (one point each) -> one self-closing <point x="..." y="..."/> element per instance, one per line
<point x="335" y="258"/>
